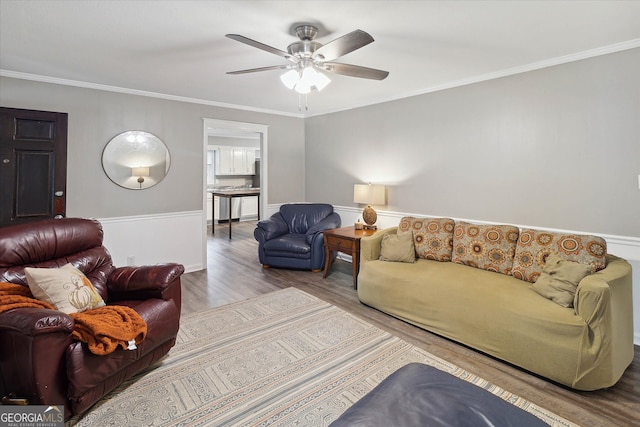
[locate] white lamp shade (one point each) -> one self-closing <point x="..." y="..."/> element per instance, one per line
<point x="140" y="171"/>
<point x="304" y="81"/>
<point x="303" y="89"/>
<point x="322" y="81"/>
<point x="369" y="194"/>
<point x="290" y="78"/>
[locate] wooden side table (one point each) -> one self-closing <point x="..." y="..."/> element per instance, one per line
<point x="347" y="240"/>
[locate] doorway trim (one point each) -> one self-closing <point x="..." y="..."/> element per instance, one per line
<point x="240" y="127"/>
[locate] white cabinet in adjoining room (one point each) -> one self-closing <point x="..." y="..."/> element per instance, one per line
<point x="235" y="161"/>
<point x="250" y="160"/>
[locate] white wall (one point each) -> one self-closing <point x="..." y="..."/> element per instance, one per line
<point x="553" y="148"/>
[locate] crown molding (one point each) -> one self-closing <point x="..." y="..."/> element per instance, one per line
<point x="605" y="50"/>
<point x="128" y="91"/>
<point x="578" y="56"/>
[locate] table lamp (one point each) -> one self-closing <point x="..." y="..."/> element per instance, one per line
<point x="140" y="172"/>
<point x="369" y="194"/>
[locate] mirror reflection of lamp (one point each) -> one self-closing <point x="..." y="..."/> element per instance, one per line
<point x="140" y="172"/>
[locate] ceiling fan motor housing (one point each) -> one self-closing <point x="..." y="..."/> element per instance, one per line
<point x="303" y="48"/>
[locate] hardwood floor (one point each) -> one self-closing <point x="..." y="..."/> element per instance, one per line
<point x="234" y="273"/>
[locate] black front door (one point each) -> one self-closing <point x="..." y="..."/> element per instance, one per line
<point x="33" y="165"/>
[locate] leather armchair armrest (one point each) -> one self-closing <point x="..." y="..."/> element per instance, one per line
<point x="331" y="221"/>
<point x="34" y="342"/>
<point x="35" y="321"/>
<point x="144" y="282"/>
<point x="270" y="228"/>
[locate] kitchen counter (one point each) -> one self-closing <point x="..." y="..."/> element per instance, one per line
<point x="230" y="193"/>
<point x="235" y="192"/>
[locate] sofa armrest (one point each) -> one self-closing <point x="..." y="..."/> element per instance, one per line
<point x="34" y="342"/>
<point x="604" y="301"/>
<point x="604" y="289"/>
<point x="144" y="282"/>
<point x="331" y="221"/>
<point x="370" y="245"/>
<point x="270" y="228"/>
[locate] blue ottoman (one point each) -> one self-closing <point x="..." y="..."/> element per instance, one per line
<point x="420" y="395"/>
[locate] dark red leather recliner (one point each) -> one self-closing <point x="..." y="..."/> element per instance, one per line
<point x="39" y="360"/>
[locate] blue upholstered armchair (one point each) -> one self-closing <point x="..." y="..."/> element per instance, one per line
<point x="292" y="237"/>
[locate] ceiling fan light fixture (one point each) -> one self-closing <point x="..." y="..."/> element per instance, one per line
<point x="303" y="82"/>
<point x="303" y="89"/>
<point x="290" y="78"/>
<point x="308" y="76"/>
<point x="321" y="81"/>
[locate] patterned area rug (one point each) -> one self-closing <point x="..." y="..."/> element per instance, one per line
<point x="282" y="359"/>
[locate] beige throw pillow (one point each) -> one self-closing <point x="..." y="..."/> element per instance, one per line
<point x="398" y="248"/>
<point x="66" y="288"/>
<point x="559" y="279"/>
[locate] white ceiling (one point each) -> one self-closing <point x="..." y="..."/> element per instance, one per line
<point x="178" y="49"/>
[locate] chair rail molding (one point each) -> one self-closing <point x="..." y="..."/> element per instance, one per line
<point x="153" y="239"/>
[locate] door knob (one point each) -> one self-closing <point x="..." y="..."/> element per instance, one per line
<point x="59" y="193"/>
<point x="6" y="161"/>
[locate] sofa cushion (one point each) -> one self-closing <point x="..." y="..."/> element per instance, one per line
<point x="534" y="246"/>
<point x="66" y="288"/>
<point x="489" y="247"/>
<point x="289" y="245"/>
<point x="559" y="279"/>
<point x="397" y="248"/>
<point x="432" y="237"/>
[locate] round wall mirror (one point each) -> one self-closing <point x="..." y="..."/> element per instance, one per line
<point x="136" y="160"/>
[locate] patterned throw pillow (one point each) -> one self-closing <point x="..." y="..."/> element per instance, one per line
<point x="534" y="246"/>
<point x="66" y="288"/>
<point x="432" y="237"/>
<point x="489" y="247"/>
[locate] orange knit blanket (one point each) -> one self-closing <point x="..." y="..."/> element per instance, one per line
<point x="106" y="328"/>
<point x="18" y="296"/>
<point x="102" y="328"/>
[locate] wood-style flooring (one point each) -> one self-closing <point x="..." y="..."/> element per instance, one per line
<point x="234" y="273"/>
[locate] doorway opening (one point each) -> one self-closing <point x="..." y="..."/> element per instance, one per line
<point x="244" y="136"/>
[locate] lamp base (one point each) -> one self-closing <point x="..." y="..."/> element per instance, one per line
<point x="370" y="217"/>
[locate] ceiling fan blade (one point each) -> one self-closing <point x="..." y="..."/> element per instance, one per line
<point x="266" y="48"/>
<point x="255" y="70"/>
<point x="355" y="71"/>
<point x="343" y="45"/>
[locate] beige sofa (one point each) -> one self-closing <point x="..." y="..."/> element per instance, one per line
<point x="475" y="284"/>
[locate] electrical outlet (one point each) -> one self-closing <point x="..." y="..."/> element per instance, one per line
<point x="131" y="260"/>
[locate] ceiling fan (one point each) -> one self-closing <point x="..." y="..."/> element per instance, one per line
<point x="308" y="57"/>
